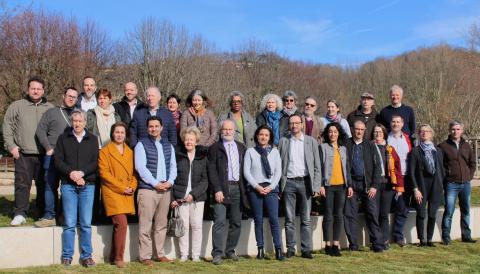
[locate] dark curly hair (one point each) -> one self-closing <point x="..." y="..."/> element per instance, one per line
<point x="342" y="136"/>
<point x="255" y="136"/>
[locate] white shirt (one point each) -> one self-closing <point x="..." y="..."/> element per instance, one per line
<point x="296" y="159"/>
<point x="79" y="138"/>
<point x="88" y="104"/>
<point x="132" y="107"/>
<point x="401" y="147"/>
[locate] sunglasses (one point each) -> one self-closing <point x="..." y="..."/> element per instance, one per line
<point x="310" y="105"/>
<point x="289" y="100"/>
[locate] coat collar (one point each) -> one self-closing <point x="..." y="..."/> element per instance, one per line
<point x="124" y="160"/>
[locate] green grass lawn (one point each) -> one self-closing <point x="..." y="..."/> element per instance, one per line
<point x="456" y="258"/>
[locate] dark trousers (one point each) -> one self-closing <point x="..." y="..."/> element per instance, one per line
<point x="118" y="237"/>
<point x="296" y="191"/>
<point x="401" y="214"/>
<point x="27" y="168"/>
<point x="422" y="213"/>
<point x="385" y="193"/>
<point x="270" y="202"/>
<point x="220" y="212"/>
<point x="371" y="218"/>
<point x="51" y="187"/>
<point x="334" y="204"/>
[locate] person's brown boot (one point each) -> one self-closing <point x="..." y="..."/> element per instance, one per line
<point x="164" y="259"/>
<point x="147" y="262"/>
<point x="120" y="264"/>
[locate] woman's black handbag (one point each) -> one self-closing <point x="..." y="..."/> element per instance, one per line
<point x="175" y="224"/>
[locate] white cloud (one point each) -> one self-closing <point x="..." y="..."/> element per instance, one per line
<point x="310" y="32"/>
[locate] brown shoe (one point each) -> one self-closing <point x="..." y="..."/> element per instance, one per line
<point x="164" y="259"/>
<point x="89" y="262"/>
<point x="120" y="264"/>
<point x="147" y="262"/>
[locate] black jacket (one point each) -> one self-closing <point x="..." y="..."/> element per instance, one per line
<point x="370" y="120"/>
<point x="71" y="155"/>
<point x="371" y="163"/>
<point x="199" y="176"/>
<point x="418" y="174"/>
<point x="218" y="171"/>
<point x="123" y="109"/>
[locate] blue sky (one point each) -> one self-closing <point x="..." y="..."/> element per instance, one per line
<point x="334" y="32"/>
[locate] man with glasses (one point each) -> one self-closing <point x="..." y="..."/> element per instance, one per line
<point x="300" y="181"/>
<point x="52" y="124"/>
<point x="366" y="113"/>
<point x="365" y="170"/>
<point x="245" y="124"/>
<point x="312" y="124"/>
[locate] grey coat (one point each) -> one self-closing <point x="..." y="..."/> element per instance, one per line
<point x="312" y="162"/>
<point x="326" y="156"/>
<point x="249" y="127"/>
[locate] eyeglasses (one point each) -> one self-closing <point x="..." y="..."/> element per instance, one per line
<point x="310" y="105"/>
<point x="295" y="123"/>
<point x="289" y="100"/>
<point x="72" y="97"/>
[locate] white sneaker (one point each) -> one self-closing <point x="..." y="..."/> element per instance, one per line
<point x="196" y="259"/>
<point x="18" y="220"/>
<point x="183" y="259"/>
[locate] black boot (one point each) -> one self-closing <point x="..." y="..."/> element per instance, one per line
<point x="260" y="254"/>
<point x="336" y="251"/>
<point x="279" y="254"/>
<point x="328" y="250"/>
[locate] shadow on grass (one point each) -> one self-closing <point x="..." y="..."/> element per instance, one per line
<point x="6" y="207"/>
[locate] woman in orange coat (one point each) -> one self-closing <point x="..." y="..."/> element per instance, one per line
<point x="118" y="186"/>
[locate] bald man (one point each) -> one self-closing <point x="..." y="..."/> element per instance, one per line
<point x="129" y="103"/>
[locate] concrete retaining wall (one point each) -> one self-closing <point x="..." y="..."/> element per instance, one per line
<point x="29" y="246"/>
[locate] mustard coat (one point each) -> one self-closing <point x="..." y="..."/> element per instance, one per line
<point x="117" y="173"/>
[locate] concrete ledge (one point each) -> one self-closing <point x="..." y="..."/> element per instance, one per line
<point x="43" y="246"/>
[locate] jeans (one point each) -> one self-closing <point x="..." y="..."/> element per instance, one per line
<point x="220" y="212"/>
<point x="296" y="190"/>
<point x="462" y="191"/>
<point x="401" y="214"/>
<point x="270" y="201"/>
<point x="51" y="186"/>
<point x="334" y="204"/>
<point x="77" y="201"/>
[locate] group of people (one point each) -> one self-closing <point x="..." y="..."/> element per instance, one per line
<point x="144" y="159"/>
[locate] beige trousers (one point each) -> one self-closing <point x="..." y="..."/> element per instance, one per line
<point x="192" y="216"/>
<point x="152" y="209"/>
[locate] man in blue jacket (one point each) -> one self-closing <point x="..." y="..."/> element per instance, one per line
<point x="138" y="125"/>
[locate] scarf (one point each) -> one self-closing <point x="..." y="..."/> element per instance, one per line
<point x="264" y="159"/>
<point x="198" y="116"/>
<point x="176" y="118"/>
<point x="273" y="121"/>
<point x="332" y="119"/>
<point x="290" y="112"/>
<point x="103" y="124"/>
<point x="427" y="148"/>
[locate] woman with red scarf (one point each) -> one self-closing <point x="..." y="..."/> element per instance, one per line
<point x="391" y="177"/>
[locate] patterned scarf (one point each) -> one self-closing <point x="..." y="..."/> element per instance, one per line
<point x="332" y="119"/>
<point x="264" y="158"/>
<point x="273" y="121"/>
<point x="427" y="148"/>
<point x="105" y="120"/>
<point x="289" y="112"/>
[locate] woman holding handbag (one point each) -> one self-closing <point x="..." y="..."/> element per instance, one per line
<point x="118" y="185"/>
<point x="190" y="190"/>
